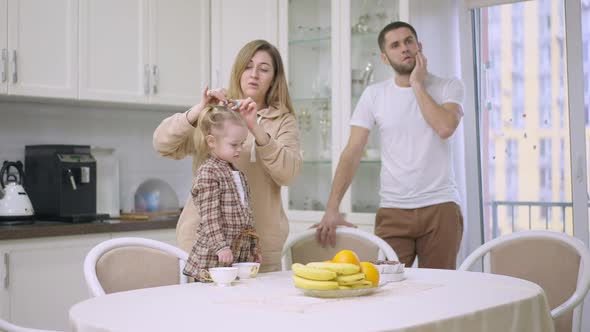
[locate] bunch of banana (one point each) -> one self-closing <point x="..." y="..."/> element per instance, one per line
<point x="328" y="275"/>
<point x="339" y="268"/>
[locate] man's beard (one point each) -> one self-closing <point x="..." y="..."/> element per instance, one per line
<point x="402" y="69"/>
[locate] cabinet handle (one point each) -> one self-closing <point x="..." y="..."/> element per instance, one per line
<point x="7" y="268"/>
<point x="156" y="74"/>
<point x="4" y="65"/>
<point x="146" y="79"/>
<point x="15" y="68"/>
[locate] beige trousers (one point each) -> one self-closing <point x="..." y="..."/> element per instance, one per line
<point x="433" y="233"/>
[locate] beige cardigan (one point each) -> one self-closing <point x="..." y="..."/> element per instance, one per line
<point x="277" y="164"/>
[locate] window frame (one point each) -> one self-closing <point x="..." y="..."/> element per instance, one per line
<point x="470" y="41"/>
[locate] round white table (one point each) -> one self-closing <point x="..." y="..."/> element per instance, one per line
<point x="427" y="300"/>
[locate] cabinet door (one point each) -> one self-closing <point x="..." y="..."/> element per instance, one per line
<point x="179" y="50"/>
<point x="43" y="47"/>
<point x="44" y="278"/>
<point x="333" y="56"/>
<point x="310" y="67"/>
<point x="233" y="24"/>
<point x="366" y="20"/>
<point x="3" y="50"/>
<point x="114" y="50"/>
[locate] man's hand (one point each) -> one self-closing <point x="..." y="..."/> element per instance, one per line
<point x="326" y="229"/>
<point x="225" y="256"/>
<point x="418" y="75"/>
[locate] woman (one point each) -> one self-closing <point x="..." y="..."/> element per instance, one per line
<point x="271" y="159"/>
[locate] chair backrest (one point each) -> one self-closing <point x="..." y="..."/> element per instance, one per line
<point x="557" y="262"/>
<point x="9" y="327"/>
<point x="128" y="263"/>
<point x="303" y="247"/>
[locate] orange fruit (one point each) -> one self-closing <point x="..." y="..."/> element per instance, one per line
<point x="371" y="272"/>
<point x="346" y="256"/>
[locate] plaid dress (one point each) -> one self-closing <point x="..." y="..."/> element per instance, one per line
<point x="225" y="221"/>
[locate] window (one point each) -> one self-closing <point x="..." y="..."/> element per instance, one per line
<point x="561" y="169"/>
<point x="545" y="177"/>
<point x="512" y="169"/>
<point x="517" y="21"/>
<point x="523" y="178"/>
<point x="492" y="173"/>
<point x="518" y="113"/>
<point x="545" y="99"/>
<point x="544" y="174"/>
<point x="517" y="67"/>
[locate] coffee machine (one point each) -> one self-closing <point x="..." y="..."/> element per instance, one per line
<point x="61" y="182"/>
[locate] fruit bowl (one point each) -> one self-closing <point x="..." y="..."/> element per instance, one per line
<point x="343" y="276"/>
<point x="338" y="293"/>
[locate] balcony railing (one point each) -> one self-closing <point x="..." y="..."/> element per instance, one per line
<point x="542" y="206"/>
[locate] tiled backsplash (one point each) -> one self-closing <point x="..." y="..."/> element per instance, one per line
<point x="128" y="131"/>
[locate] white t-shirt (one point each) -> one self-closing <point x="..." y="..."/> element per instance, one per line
<point x="239" y="185"/>
<point x="416" y="164"/>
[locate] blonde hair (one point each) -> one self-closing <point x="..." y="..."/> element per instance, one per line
<point x="278" y="93"/>
<point x="211" y="121"/>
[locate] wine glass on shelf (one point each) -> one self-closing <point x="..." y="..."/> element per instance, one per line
<point x="325" y="125"/>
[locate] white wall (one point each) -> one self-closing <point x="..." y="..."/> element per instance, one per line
<point x="128" y="131"/>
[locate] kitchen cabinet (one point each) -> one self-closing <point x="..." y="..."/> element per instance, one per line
<point x="39" y="48"/>
<point x="144" y="51"/>
<point x="42" y="278"/>
<point x="233" y="24"/>
<point x="332" y="55"/>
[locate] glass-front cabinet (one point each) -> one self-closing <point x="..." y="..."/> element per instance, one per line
<point x="332" y="54"/>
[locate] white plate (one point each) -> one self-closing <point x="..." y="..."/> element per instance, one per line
<point x="336" y="293"/>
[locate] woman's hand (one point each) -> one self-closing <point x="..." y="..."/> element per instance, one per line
<point x="225" y="256"/>
<point x="214" y="96"/>
<point x="208" y="97"/>
<point x="247" y="109"/>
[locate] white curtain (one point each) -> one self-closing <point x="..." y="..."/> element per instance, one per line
<point x="438" y="29"/>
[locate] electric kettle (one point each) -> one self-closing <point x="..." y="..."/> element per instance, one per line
<point x="15" y="205"/>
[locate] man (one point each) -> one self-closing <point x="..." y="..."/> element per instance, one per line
<point x="415" y="113"/>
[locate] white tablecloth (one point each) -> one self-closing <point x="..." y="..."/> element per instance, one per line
<point x="428" y="300"/>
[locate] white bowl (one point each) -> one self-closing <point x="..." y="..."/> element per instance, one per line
<point x="223" y="276"/>
<point x="392" y="277"/>
<point x="247" y="270"/>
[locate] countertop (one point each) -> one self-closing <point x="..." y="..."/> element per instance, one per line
<point x="51" y="228"/>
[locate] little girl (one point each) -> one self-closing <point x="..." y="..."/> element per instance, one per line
<point x="221" y="195"/>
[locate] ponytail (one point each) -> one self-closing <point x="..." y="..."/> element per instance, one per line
<point x="211" y="118"/>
